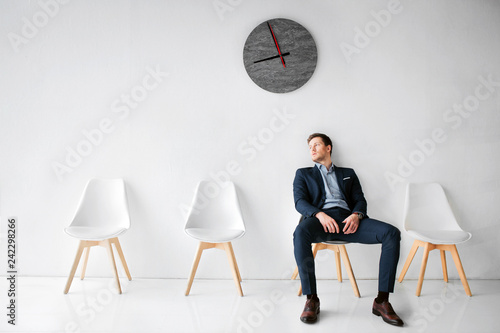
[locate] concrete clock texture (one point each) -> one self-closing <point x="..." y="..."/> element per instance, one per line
<point x="280" y="55"/>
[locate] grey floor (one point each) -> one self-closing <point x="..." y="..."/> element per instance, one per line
<point x="159" y="305"/>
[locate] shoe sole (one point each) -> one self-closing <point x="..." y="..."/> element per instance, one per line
<point x="310" y="321"/>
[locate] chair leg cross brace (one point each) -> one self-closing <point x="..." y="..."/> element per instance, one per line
<point x="85" y="246"/>
<point x="228" y="248"/>
<point x="442" y="248"/>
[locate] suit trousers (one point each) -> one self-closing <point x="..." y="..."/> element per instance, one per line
<point x="370" y="231"/>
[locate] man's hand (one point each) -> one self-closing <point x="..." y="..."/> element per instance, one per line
<point x="351" y="224"/>
<point x="329" y="224"/>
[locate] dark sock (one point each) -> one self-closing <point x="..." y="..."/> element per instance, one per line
<point x="382" y="296"/>
<point x="315" y="296"/>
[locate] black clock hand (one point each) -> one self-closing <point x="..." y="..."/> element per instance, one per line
<point x="273" y="57"/>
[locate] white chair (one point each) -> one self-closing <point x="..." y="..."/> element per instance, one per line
<point x="215" y="220"/>
<point x="430" y="221"/>
<point x="101" y="217"/>
<point x="339" y="248"/>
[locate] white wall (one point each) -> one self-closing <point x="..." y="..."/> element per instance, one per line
<point x="71" y="74"/>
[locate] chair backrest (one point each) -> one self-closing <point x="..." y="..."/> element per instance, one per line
<point x="215" y="206"/>
<point x="103" y="203"/>
<point x="427" y="208"/>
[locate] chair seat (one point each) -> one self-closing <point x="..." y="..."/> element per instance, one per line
<point x="94" y="233"/>
<point x="441" y="236"/>
<point x="336" y="242"/>
<point x="214" y="235"/>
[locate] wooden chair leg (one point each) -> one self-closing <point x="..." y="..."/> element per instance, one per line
<point x="85" y="260"/>
<point x="294" y="276"/>
<point x="443" y="263"/>
<point x="85" y="246"/>
<point x="234" y="266"/>
<point x="442" y="249"/>
<point x="348" y="267"/>
<point x="196" y="261"/>
<point x="460" y="269"/>
<point x="337" y="262"/>
<point x="79" y="252"/>
<point x="413" y="250"/>
<point x="422" y="268"/>
<point x="295" y="273"/>
<point x="122" y="257"/>
<point x="233" y="257"/>
<point x="316" y="247"/>
<point x="107" y="244"/>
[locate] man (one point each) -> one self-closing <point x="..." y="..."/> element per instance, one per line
<point x="332" y="203"/>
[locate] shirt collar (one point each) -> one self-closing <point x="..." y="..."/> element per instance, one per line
<point x="322" y="167"/>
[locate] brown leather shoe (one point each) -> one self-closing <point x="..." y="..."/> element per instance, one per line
<point x="311" y="310"/>
<point x="385" y="310"/>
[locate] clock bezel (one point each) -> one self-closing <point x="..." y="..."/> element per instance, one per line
<point x="271" y="75"/>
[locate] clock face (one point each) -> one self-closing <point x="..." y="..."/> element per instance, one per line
<point x="280" y="55"/>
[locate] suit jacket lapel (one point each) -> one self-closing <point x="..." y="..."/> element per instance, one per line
<point x="340" y="180"/>
<point x="319" y="180"/>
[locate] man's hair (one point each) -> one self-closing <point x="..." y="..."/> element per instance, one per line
<point x="326" y="140"/>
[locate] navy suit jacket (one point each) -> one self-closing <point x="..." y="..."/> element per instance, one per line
<point x="309" y="190"/>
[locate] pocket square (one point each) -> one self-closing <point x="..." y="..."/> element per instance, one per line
<point x="346" y="178"/>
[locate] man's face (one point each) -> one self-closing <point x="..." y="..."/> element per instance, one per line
<point x="319" y="152"/>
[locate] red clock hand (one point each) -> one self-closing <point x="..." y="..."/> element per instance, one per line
<point x="276" y="43"/>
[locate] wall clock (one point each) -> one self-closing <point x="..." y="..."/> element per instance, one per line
<point x="280" y="55"/>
